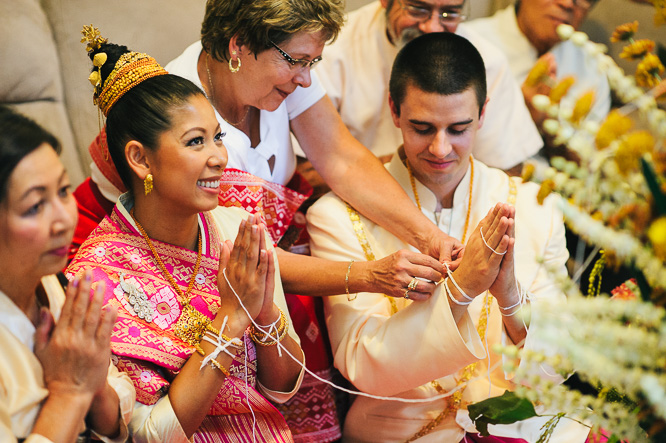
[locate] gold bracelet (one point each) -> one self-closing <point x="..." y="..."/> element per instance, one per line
<point x="271" y="343"/>
<point x="214" y="330"/>
<point x="258" y="337"/>
<point x="219" y="366"/>
<point x="350" y="297"/>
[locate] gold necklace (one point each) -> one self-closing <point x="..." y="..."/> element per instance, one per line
<point x="469" y="203"/>
<point x="191" y="324"/>
<point x="212" y="96"/>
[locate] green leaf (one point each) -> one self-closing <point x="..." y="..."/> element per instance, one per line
<point x="653" y="185"/>
<point x="505" y="409"/>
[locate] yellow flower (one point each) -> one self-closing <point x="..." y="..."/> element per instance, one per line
<point x="624" y="32"/>
<point x="632" y="147"/>
<point x="528" y="172"/>
<point x="659" y="12"/>
<point x="612" y="128"/>
<point x="648" y="71"/>
<point x="637" y="49"/>
<point x="538" y="72"/>
<point x="544" y="191"/>
<point x="657" y="236"/>
<point x="582" y="107"/>
<point x="561" y="89"/>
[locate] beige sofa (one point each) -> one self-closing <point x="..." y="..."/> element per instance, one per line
<point x="44" y="67"/>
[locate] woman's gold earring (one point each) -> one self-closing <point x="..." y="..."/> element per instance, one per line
<point x="231" y="67"/>
<point x="148" y="184"/>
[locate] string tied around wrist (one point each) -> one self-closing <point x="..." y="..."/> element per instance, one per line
<point x="222" y="343"/>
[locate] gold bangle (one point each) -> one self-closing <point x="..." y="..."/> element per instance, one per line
<point x="350" y="297"/>
<point x="219" y="366"/>
<point x="255" y="334"/>
<point x="281" y="334"/>
<point x="214" y="330"/>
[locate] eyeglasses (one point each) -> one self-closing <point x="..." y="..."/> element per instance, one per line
<point x="422" y="13"/>
<point x="300" y="63"/>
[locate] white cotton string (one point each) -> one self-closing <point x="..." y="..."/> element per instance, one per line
<point x="350" y="391"/>
<point x="489" y="247"/>
<point x="453" y="299"/>
<point x="271" y="328"/>
<point x="455" y="283"/>
<point x="221" y="345"/>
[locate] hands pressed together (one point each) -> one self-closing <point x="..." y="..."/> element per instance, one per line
<point x="488" y="262"/>
<point x="250" y="270"/>
<point x="75" y="352"/>
<point x="485" y="263"/>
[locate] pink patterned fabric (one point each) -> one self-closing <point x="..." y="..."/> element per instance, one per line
<point x="150" y="353"/>
<point x="276" y="203"/>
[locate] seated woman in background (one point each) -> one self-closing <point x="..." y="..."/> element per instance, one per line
<point x="55" y="371"/>
<point x="181" y="287"/>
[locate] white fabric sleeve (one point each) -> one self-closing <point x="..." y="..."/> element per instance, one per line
<point x="303" y="98"/>
<point x="544" y="289"/>
<point x="369" y="344"/>
<point x="156" y="423"/>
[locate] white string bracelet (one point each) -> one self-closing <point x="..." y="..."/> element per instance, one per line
<point x="455" y="283"/>
<point x="221" y="344"/>
<point x="520" y="308"/>
<point x="351" y="391"/>
<point x="269" y="329"/>
<point x="453" y="299"/>
<point x="488" y="246"/>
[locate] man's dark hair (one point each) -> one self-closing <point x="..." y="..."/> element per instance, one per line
<point x="442" y="63"/>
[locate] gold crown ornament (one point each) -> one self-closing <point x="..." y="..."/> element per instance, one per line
<point x="131" y="69"/>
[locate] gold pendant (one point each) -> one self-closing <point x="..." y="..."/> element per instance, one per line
<point x="191" y="325"/>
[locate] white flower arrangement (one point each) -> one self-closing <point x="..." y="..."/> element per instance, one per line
<point x="614" y="198"/>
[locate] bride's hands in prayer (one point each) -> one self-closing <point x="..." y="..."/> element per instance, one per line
<point x="247" y="269"/>
<point x="392" y="274"/>
<point x="480" y="266"/>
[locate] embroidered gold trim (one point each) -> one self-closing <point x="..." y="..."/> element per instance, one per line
<point x="359" y="229"/>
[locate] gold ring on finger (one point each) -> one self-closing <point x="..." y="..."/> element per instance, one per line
<point x="412" y="284"/>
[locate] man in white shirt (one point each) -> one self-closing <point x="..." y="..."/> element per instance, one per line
<point x="419" y="349"/>
<point x="528" y="30"/>
<point x="355" y="72"/>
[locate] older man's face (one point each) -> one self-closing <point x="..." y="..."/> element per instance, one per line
<point x="539" y="19"/>
<point x="407" y="19"/>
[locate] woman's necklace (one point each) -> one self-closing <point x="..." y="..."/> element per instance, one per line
<point x="212" y="96"/>
<point x="191" y="324"/>
<point x="469" y="203"/>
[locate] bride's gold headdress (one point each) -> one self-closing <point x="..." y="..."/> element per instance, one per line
<point x="131" y="69"/>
